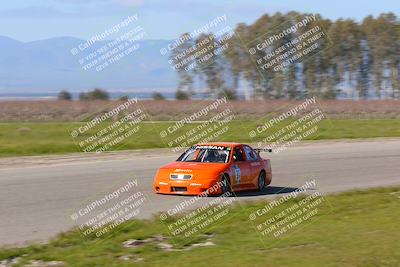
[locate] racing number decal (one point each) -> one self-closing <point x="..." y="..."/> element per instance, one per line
<point x="237" y="174"/>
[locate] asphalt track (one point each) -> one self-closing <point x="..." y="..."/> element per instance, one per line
<point x="39" y="194"/>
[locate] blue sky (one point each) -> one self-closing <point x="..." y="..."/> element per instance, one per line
<point x="29" y="20"/>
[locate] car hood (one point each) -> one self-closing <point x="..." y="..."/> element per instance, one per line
<point x="183" y="167"/>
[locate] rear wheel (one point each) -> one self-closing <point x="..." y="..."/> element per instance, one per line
<point x="261" y="181"/>
<point x="226" y="184"/>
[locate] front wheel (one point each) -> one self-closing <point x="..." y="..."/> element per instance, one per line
<point x="261" y="181"/>
<point x="226" y="184"/>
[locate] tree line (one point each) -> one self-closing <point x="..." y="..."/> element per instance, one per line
<point x="101" y="94"/>
<point x="362" y="61"/>
<point x="95" y="94"/>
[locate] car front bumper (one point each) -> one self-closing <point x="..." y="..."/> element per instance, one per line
<point x="175" y="187"/>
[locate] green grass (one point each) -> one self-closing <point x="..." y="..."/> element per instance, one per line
<point x="53" y="138"/>
<point x="359" y="228"/>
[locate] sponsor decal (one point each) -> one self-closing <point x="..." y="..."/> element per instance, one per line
<point x="182" y="170"/>
<point x="237" y="174"/>
<point x="211" y="147"/>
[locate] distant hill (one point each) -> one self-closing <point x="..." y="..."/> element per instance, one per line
<point x="48" y="65"/>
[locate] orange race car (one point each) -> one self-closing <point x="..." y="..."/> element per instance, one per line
<point x="214" y="168"/>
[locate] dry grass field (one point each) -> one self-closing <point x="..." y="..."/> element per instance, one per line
<point x="58" y="111"/>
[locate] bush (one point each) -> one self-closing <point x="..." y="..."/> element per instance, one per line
<point x="64" y="95"/>
<point x="158" y="96"/>
<point x="98" y="94"/>
<point x="181" y="95"/>
<point x="83" y="96"/>
<point x="123" y="98"/>
<point x="229" y="94"/>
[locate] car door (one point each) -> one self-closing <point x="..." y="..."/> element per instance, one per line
<point x="254" y="165"/>
<point x="240" y="169"/>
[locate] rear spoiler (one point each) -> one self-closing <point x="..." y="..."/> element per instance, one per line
<point x="258" y="150"/>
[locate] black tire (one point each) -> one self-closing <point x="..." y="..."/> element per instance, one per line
<point x="261" y="182"/>
<point x="226" y="184"/>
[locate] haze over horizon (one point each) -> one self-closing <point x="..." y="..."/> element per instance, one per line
<point x="36" y="37"/>
<point x="31" y="20"/>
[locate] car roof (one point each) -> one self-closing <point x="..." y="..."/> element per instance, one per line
<point x="230" y="144"/>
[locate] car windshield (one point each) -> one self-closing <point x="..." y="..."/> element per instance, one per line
<point x="207" y="153"/>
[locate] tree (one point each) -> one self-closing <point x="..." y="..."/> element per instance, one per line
<point x="182" y="63"/>
<point x="158" y="96"/>
<point x="96" y="94"/>
<point x="64" y="95"/>
<point x="364" y="70"/>
<point x="316" y="68"/>
<point x="228" y="93"/>
<point x="181" y="95"/>
<point x="209" y="64"/>
<point x="235" y="55"/>
<point x="382" y="36"/>
<point x="123" y="98"/>
<point x="83" y="96"/>
<point x="351" y="58"/>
